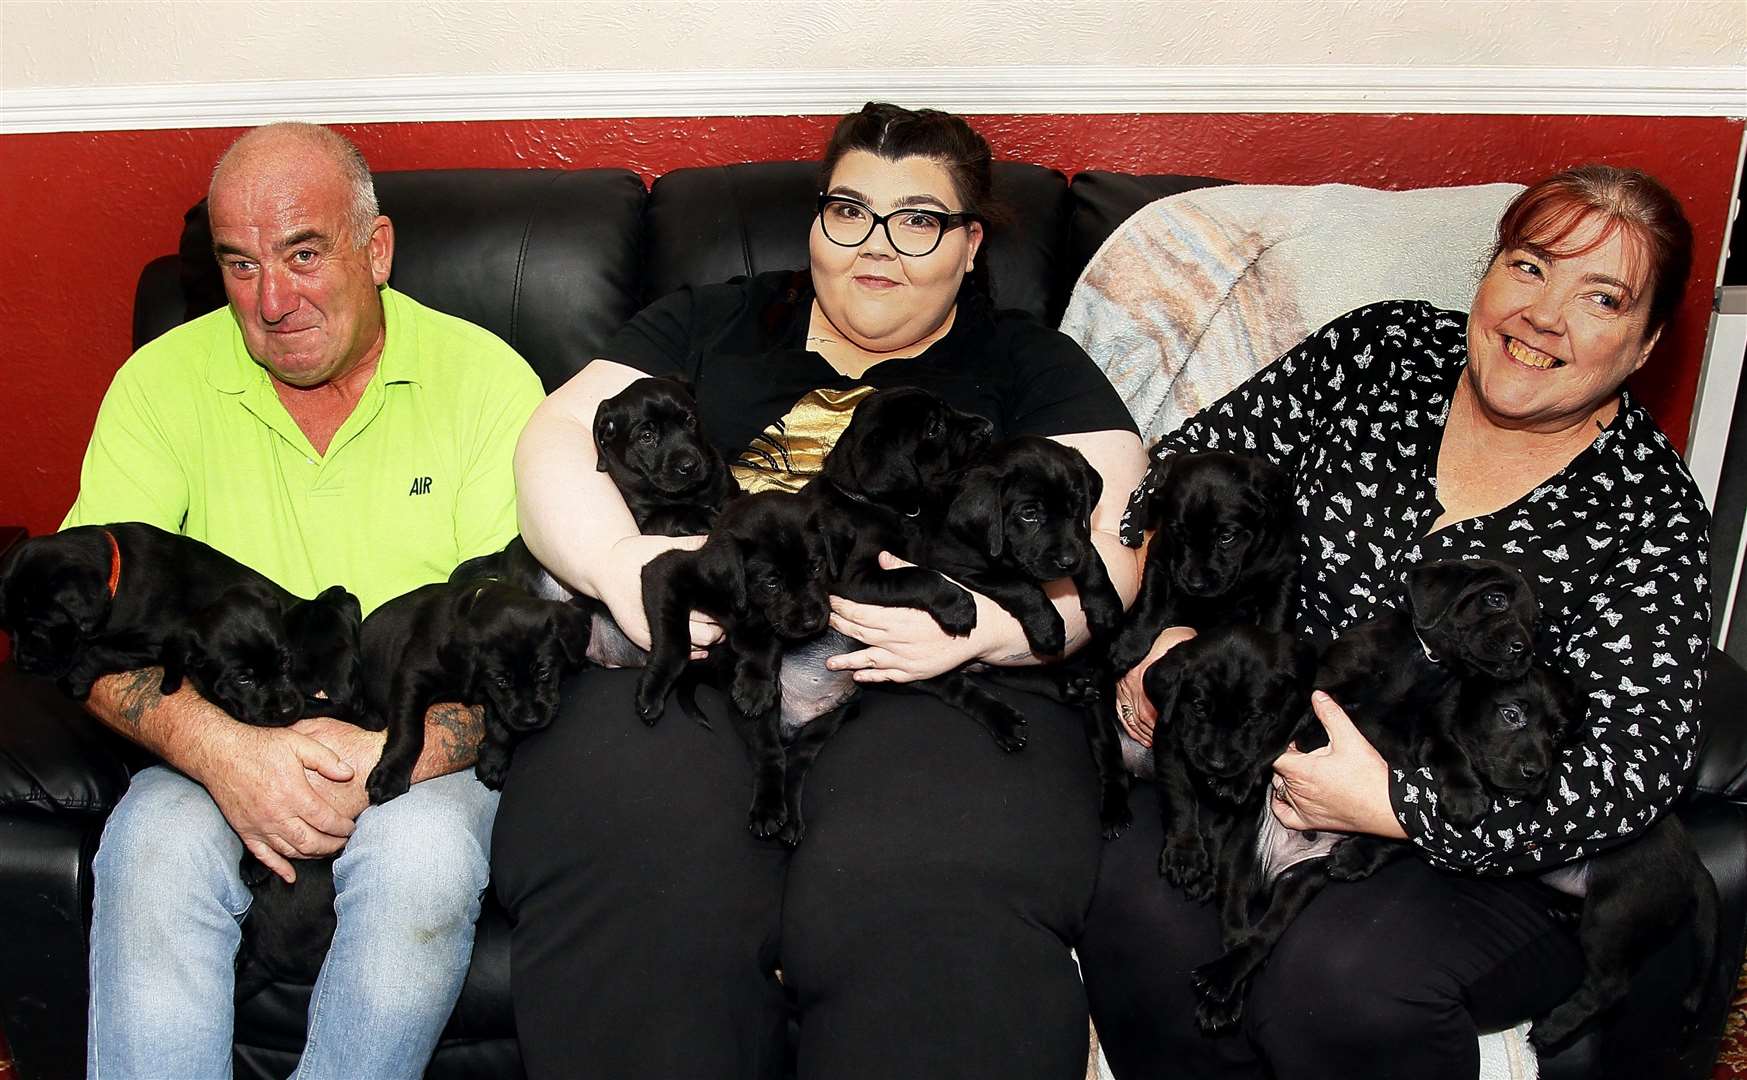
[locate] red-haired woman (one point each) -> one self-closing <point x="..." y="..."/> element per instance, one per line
<point x="1417" y="434"/>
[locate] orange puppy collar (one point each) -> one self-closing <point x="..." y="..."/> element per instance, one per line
<point x="114" y="562"/>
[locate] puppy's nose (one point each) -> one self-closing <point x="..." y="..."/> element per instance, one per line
<point x="1518" y="646"/>
<point x="1065" y="560"/>
<point x="1532" y="770"/>
<point x="685" y="466"/>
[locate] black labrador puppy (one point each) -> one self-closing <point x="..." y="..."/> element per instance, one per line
<point x="647" y="439"/>
<point x="1020" y="518"/>
<point x="267" y="663"/>
<point x="100" y="599"/>
<point x="1229" y="702"/>
<point x="486" y="644"/>
<point x="1224" y="550"/>
<point x="1636" y="896"/>
<point x="763" y="574"/>
<point x="1396" y="676"/>
<point x="673" y="480"/>
<point x="270" y="666"/>
<point x="890" y="472"/>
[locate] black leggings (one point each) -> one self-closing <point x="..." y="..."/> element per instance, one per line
<point x="1394" y="976"/>
<point x="922" y="927"/>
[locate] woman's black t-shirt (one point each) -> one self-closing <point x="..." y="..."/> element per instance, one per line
<point x="774" y="408"/>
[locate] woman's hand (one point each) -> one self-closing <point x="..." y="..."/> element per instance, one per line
<point x="1343" y="786"/>
<point x="906" y="644"/>
<point x="619" y="585"/>
<point x="1133" y="708"/>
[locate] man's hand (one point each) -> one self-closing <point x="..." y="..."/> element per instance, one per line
<point x="619" y="585"/>
<point x="1133" y="708"/>
<point x="1343" y="786"/>
<point x="359" y="749"/>
<point x="258" y="778"/>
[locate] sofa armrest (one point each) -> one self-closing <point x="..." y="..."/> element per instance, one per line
<point x="1719" y="831"/>
<point x="54" y="756"/>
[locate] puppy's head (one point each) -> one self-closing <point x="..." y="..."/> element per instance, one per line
<point x="1512" y="730"/>
<point x="323" y="635"/>
<point x="1232" y="699"/>
<point x="54" y="592"/>
<point x="1027" y="505"/>
<point x="1475" y="615"/>
<point x="522" y="648"/>
<point x="647" y="437"/>
<point x="1218" y="517"/>
<point x="237" y="653"/>
<point x="902" y="446"/>
<point x="767" y="552"/>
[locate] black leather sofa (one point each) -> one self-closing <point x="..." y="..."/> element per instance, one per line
<point x="553" y="261"/>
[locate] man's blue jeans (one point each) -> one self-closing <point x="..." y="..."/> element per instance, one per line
<point x="167" y="921"/>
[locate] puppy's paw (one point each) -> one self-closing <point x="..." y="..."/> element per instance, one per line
<point x="1113" y="812"/>
<point x="958" y="615"/>
<point x="1350" y="862"/>
<point x="1217" y="1018"/>
<point x="1081" y="688"/>
<point x="491" y="772"/>
<point x="1220" y="980"/>
<point x="793" y="829"/>
<point x="767" y="816"/>
<point x="1008" y="727"/>
<point x="1464" y="807"/>
<point x="254" y="872"/>
<point x="650" y="700"/>
<point x="754" y="697"/>
<point x="1189" y="869"/>
<point x="1049" y="640"/>
<point x="385" y="784"/>
<point x="1556" y="1028"/>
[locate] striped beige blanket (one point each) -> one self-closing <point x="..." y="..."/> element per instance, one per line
<point x="1196" y="292"/>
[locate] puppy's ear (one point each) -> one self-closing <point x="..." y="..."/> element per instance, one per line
<point x="174" y="659"/>
<point x="1162" y="681"/>
<point x="1434" y="588"/>
<point x="1093" y="489"/>
<point x="977" y="515"/>
<point x="607" y="425"/>
<point x="722" y="566"/>
<point x="834" y="553"/>
<point x="1274" y="486"/>
<point x="571" y="627"/>
<point x="1569" y="701"/>
<point x="344" y="602"/>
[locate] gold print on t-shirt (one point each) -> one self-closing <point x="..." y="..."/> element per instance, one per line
<point x="792" y="451"/>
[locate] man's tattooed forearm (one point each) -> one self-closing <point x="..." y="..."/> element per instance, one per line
<point x="462" y="727"/>
<point x="138" y="695"/>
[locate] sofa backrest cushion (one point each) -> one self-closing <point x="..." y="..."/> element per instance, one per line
<point x="546" y="259"/>
<point x="554" y="260"/>
<point x="711" y="224"/>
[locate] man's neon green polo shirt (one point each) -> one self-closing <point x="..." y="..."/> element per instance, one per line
<point x="192" y="438"/>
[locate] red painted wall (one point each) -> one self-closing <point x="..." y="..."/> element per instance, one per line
<point x="81" y="213"/>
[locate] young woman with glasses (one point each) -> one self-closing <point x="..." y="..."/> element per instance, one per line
<point x="922" y="928"/>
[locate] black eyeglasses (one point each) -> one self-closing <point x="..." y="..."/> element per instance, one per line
<point x="911" y="230"/>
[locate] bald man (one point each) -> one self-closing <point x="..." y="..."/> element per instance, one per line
<point x="323" y="429"/>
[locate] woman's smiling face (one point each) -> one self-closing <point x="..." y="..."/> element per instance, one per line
<point x="880" y="299"/>
<point x="1551" y="337"/>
